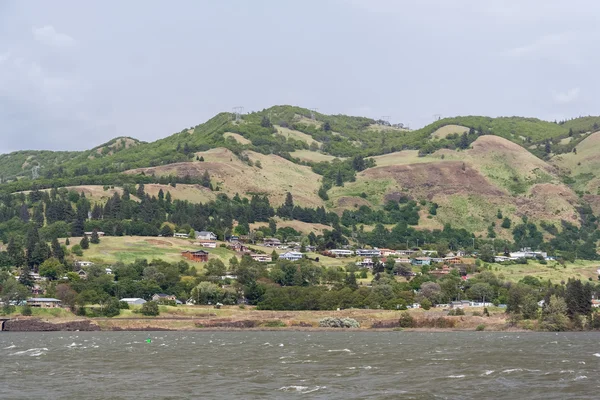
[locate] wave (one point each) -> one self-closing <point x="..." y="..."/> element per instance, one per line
<point x="31" y="352"/>
<point x="301" y="389"/>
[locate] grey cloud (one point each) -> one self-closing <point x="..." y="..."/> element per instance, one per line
<point x="75" y="74"/>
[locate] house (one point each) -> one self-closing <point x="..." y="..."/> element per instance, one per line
<point x="460" y="304"/>
<point x="37" y="277"/>
<point x="108" y="271"/>
<point x="291" y="256"/>
<point x="239" y="247"/>
<point x="428" y="252"/>
<point x="233" y="238"/>
<point x="452" y="260"/>
<point x="43" y="302"/>
<point x="402" y="260"/>
<point x="133" y="301"/>
<point x="387" y="252"/>
<point x="261" y="257"/>
<point x="499" y="259"/>
<point x="211" y="244"/>
<point x="444" y="271"/>
<point x="368" y="252"/>
<point x="421" y="261"/>
<point x="205" y="235"/>
<point x="365" y="263"/>
<point x="100" y="233"/>
<point x="82" y="274"/>
<point x="197" y="256"/>
<point x="405" y="252"/>
<point x="81" y="264"/>
<point x="437" y="260"/>
<point x="271" y="242"/>
<point x="181" y="235"/>
<point x="526" y="252"/>
<point x="163" y="297"/>
<point x="341" y="252"/>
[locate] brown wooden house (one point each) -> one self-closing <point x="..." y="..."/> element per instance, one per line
<point x="197" y="256"/>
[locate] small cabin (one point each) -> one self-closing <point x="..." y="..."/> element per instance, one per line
<point x="196" y="256"/>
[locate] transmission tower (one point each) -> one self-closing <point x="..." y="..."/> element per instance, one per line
<point x="237" y="112"/>
<point x="35" y="172"/>
<point x="437" y="117"/>
<point x="312" y="113"/>
<point x="385" y="120"/>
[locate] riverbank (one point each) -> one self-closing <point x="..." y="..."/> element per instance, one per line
<point x="235" y="318"/>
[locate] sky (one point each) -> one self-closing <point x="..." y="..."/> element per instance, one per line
<point x="74" y="74"/>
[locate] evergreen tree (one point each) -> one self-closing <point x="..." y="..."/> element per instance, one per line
<point x="77" y="227"/>
<point x="351" y="281"/>
<point x="339" y="181"/>
<point x="326" y="126"/>
<point x="67" y="242"/>
<point x="84" y="243"/>
<point x="265" y="122"/>
<point x="24" y="213"/>
<point x="141" y="191"/>
<point x="205" y="181"/>
<point x="95" y="239"/>
<point x="15" y="252"/>
<point x="57" y="250"/>
<point x="273" y="227"/>
<point x="548" y="147"/>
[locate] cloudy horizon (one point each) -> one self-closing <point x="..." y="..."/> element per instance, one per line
<point x="74" y="74"/>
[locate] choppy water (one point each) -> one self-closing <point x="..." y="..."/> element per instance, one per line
<point x="290" y="365"/>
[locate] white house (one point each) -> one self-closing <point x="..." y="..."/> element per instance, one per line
<point x="291" y="256"/>
<point x="211" y="244"/>
<point x="108" y="271"/>
<point x="261" y="257"/>
<point x="341" y="252"/>
<point x="181" y="235"/>
<point x="205" y="235"/>
<point x="100" y="234"/>
<point x="368" y="252"/>
<point x="83" y="263"/>
<point x="133" y="300"/>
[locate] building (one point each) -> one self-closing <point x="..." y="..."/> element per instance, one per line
<point x="402" y="260"/>
<point x="421" y="261"/>
<point x="452" y="260"/>
<point x="291" y="256"/>
<point x="437" y="259"/>
<point x="108" y="271"/>
<point x="210" y="244"/>
<point x="405" y="252"/>
<point x="82" y="274"/>
<point x="261" y="257"/>
<point x="43" y="302"/>
<point x="132" y="301"/>
<point x="163" y="297"/>
<point x="82" y="264"/>
<point x="365" y="263"/>
<point x="272" y="242"/>
<point x="368" y="252"/>
<point x="197" y="256"/>
<point x="100" y="233"/>
<point x="387" y="252"/>
<point x="460" y="304"/>
<point x="526" y="252"/>
<point x="205" y="235"/>
<point x="341" y="252"/>
<point x="181" y="235"/>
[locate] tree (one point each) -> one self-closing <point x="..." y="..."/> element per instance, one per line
<point x="215" y="267"/>
<point x="192" y="234"/>
<point x="84" y="243"/>
<point x="327" y="126"/>
<point x="166" y="230"/>
<point x="150" y="309"/>
<point x="351" y="281"/>
<point x="51" y="269"/>
<point x="464" y="141"/>
<point x="529" y="307"/>
<point x="487" y="253"/>
<point x="95" y="239"/>
<point x="339" y="180"/>
<point x="111" y="307"/>
<point x="205" y="181"/>
<point x="431" y="291"/>
<point x="554" y="315"/>
<point x="265" y="122"/>
<point x="272" y="226"/>
<point x="499" y="214"/>
<point x="77" y="250"/>
<point x="548" y="147"/>
<point x="506" y="223"/>
<point x="482" y="291"/>
<point x="140" y="191"/>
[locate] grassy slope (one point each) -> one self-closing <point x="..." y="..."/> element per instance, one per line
<point x="584" y="165"/>
<point x="129" y="248"/>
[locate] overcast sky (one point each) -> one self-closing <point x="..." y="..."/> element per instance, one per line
<point x="74" y="74"/>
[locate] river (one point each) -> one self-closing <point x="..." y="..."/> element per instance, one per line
<point x="296" y="365"/>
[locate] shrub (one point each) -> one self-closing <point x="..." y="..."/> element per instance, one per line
<point x="330" y="322"/>
<point x="480" y="327"/>
<point x="274" y="324"/>
<point x="476" y="314"/>
<point x="26" y="311"/>
<point x="123" y="305"/>
<point x="150" y="308"/>
<point x="77" y="250"/>
<point x="406" y="320"/>
<point x="425" y="304"/>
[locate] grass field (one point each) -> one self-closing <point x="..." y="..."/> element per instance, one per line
<point x="239" y="138"/>
<point x="312" y="156"/>
<point x="127" y="249"/>
<point x="402" y="158"/>
<point x="446" y="130"/>
<point x="553" y="270"/>
<point x="293" y="134"/>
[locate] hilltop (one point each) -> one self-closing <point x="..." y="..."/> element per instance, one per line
<point x="469" y="169"/>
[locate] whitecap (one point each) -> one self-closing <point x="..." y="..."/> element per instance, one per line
<point x="346" y="350"/>
<point x="488" y="372"/>
<point x="597" y="354"/>
<point x="12" y="346"/>
<point x="31" y="352"/>
<point x="301" y="389"/>
<point x="455" y="376"/>
<point x="72" y="345"/>
<point x="580" y="377"/>
<point x="508" y="371"/>
<point x="280" y="344"/>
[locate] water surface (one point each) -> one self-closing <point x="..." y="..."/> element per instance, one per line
<point x="291" y="365"/>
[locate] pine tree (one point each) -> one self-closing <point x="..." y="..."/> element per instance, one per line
<point x="84" y="243"/>
<point x="57" y="250"/>
<point x="140" y="191"/>
<point x="205" y="181"/>
<point x="67" y="242"/>
<point x="339" y="181"/>
<point x="95" y="239"/>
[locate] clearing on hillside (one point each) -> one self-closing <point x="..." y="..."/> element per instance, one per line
<point x="584" y="165"/>
<point x="402" y="158"/>
<point x="239" y="138"/>
<point x="276" y="177"/>
<point x="300" y="226"/>
<point x="297" y="135"/>
<point x="446" y="130"/>
<point x="312" y="156"/>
